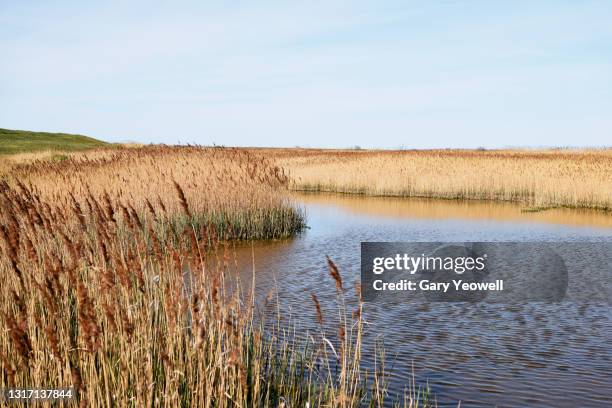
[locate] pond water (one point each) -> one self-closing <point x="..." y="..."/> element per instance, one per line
<point x="484" y="355"/>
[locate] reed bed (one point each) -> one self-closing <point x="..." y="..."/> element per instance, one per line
<point x="117" y="281"/>
<point x="537" y="178"/>
<point x="239" y="193"/>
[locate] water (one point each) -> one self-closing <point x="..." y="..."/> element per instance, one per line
<point x="484" y="355"/>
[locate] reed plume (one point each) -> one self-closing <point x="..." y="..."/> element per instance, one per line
<point x="317" y="308"/>
<point x="182" y="198"/>
<point x="333" y="271"/>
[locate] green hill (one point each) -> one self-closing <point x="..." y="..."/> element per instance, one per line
<point x="22" y="141"/>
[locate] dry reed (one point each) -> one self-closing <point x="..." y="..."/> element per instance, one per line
<point x="108" y="286"/>
<point x="537" y="178"/>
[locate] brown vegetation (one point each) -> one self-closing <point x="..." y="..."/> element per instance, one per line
<point x="116" y="281"/>
<point x="537" y="178"/>
<point x="239" y="193"/>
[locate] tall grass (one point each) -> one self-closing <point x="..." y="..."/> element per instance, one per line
<point x="116" y="280"/>
<point x="238" y="193"/>
<point x="537" y="178"/>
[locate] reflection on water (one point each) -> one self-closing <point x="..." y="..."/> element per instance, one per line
<point x="519" y="355"/>
<point x="456" y="209"/>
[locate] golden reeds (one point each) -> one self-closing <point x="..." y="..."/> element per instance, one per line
<point x="238" y="193"/>
<point x="110" y="285"/>
<point x="536" y="178"/>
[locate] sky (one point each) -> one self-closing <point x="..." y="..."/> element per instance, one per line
<point x="375" y="74"/>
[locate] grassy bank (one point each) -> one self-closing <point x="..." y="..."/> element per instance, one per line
<point x="22" y="141"/>
<point x="536" y="178"/>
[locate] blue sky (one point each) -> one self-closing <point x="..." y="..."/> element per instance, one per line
<point x="320" y="74"/>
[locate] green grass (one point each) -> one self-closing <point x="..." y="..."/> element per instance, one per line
<point x="22" y="141"/>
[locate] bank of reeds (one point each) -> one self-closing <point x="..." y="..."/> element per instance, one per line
<point x="107" y="287"/>
<point x="536" y="178"/>
<point x="239" y="193"/>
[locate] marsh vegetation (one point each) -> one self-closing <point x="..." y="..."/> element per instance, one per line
<point x="118" y="280"/>
<point x="535" y="178"/>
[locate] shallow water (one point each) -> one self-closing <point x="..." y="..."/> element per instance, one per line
<point x="525" y="355"/>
